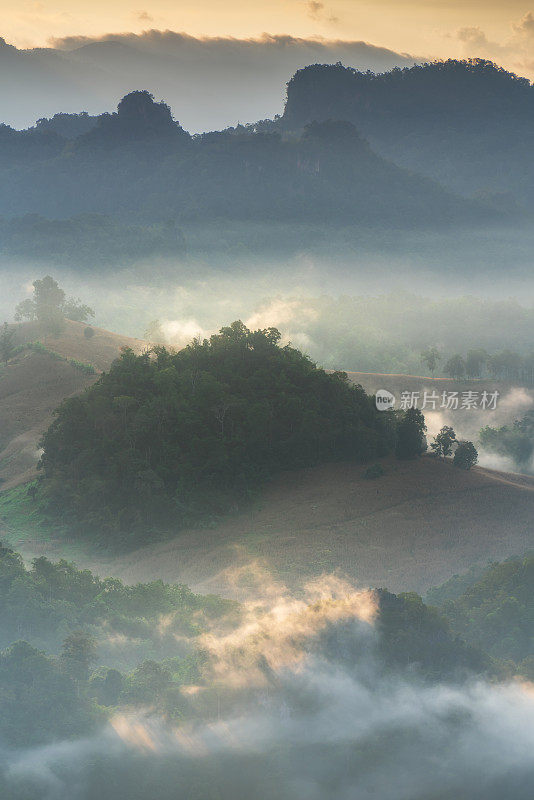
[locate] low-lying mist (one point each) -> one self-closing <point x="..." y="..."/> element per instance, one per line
<point x="300" y="707"/>
<point x="368" y="315"/>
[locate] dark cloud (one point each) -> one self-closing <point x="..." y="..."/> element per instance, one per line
<point x="209" y="82"/>
<point x="318" y="10"/>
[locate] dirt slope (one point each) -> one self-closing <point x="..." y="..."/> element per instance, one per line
<point x="33" y="384"/>
<point x="409" y="530"/>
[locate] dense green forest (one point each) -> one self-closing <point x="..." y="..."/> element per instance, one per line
<point x="516" y="441"/>
<point x="48" y="602"/>
<point x="169" y="438"/>
<point x="109" y="645"/>
<point x="494" y="611"/>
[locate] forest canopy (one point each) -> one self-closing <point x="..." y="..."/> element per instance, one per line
<point x="176" y="437"/>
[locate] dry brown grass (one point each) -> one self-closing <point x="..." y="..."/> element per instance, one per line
<point x="409" y="530"/>
<point x="34" y="384"/>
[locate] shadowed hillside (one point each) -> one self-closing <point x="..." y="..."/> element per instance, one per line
<point x="413" y="528"/>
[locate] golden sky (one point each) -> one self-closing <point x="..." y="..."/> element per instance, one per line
<point x="424" y="28"/>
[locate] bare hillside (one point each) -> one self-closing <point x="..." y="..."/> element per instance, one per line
<point x="33" y="384"/>
<point x="411" y="529"/>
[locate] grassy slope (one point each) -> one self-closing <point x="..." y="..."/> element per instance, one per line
<point x="34" y="384"/>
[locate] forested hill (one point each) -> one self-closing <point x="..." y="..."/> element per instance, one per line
<point x="138" y="164"/>
<point x="187" y="435"/>
<point x="468" y="124"/>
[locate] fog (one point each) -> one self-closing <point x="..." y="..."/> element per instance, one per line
<point x="239" y="80"/>
<point x="304" y="709"/>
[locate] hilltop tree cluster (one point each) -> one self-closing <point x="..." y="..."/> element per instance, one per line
<point x="49" y="306"/>
<point x="173" y="437"/>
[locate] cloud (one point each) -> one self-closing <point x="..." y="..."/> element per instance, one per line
<point x="514" y="52"/>
<point x="318" y="11"/>
<point x="237" y="79"/>
<point x="525" y="27"/>
<point x="144" y="16"/>
<point x="301" y="708"/>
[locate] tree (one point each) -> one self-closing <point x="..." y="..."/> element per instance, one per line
<point x="49" y="307"/>
<point x="78" y="653"/>
<point x="45" y="306"/>
<point x="77" y="311"/>
<point x="411" y="441"/>
<point x="171" y="436"/>
<point x="431" y="357"/>
<point x="466" y="455"/>
<point x="474" y="363"/>
<point x="455" y="367"/>
<point x="7" y="347"/>
<point x="443" y="442"/>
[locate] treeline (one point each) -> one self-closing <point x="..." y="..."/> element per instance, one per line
<point x="88" y="240"/>
<point x="506" y="365"/>
<point x="349" y="332"/>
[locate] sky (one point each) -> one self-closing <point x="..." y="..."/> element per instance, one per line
<point x="424" y="28"/>
<point x="236" y="56"/>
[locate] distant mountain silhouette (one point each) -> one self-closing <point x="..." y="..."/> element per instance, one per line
<point x="68" y="126"/>
<point x="139" y="118"/>
<point x="468" y="124"/>
<point x="139" y="161"/>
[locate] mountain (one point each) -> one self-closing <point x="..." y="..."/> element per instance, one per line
<point x="139" y="164"/>
<point x="234" y="79"/>
<point x="467" y="124"/>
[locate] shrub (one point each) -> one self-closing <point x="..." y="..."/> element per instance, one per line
<point x="374" y="471"/>
<point x="466" y="455"/>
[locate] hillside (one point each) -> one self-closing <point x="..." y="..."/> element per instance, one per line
<point x="411" y="529"/>
<point x="34" y="384"/>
